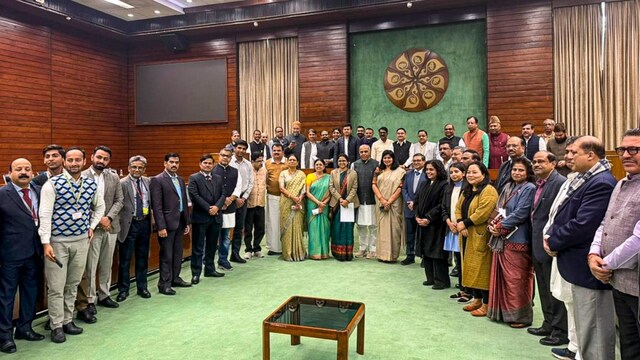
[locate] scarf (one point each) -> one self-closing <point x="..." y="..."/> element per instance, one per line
<point x="581" y="179"/>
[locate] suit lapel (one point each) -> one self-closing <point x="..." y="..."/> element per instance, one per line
<point x="207" y="184"/>
<point x="170" y="182"/>
<point x="128" y="188"/>
<point x="13" y="195"/>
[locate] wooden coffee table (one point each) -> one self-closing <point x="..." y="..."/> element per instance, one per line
<point x="318" y="318"/>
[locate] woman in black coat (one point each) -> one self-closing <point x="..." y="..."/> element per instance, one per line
<point x="431" y="227"/>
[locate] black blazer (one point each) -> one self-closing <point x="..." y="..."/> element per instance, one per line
<point x="574" y="227"/>
<point x="165" y="202"/>
<point x="19" y="238"/>
<point x="203" y="195"/>
<point x="40" y="179"/>
<point x="540" y="214"/>
<point x="352" y="146"/>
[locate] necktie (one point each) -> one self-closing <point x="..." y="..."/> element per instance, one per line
<point x="139" y="205"/>
<point x="540" y="184"/>
<point x="208" y="178"/>
<point x="27" y="199"/>
<point x="416" y="181"/>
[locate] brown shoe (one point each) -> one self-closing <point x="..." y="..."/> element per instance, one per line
<point x="475" y="305"/>
<point x="480" y="312"/>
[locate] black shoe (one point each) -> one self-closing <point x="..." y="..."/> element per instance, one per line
<point x="553" y="341"/>
<point x="274" y="253"/>
<point x="226" y="266"/>
<point x="71" y="329"/>
<point x="122" y="296"/>
<point x="57" y="335"/>
<point x="167" y="291"/>
<point x="92" y="309"/>
<point x="538" y="331"/>
<point x="214" y="274"/>
<point x="454" y="273"/>
<point x="28" y="335"/>
<point x="86" y="316"/>
<point x="47" y="326"/>
<point x="8" y="346"/>
<point x="180" y="283"/>
<point x="564" y="354"/>
<point x="108" y="303"/>
<point x="195" y="280"/>
<point x="144" y="293"/>
<point x="238" y="259"/>
<point x="439" y="287"/>
<point x="428" y="283"/>
<point x="407" y="261"/>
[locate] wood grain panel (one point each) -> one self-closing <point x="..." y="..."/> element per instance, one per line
<point x="520" y="63"/>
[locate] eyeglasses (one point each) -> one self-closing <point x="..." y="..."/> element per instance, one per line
<point x="632" y="150"/>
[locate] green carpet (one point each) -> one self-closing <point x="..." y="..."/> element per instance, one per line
<point x="222" y="318"/>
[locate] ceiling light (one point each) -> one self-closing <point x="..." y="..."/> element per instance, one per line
<point x="68" y="17"/>
<point x="120" y="3"/>
<point x="189" y="1"/>
<point x="156" y="11"/>
<point x="130" y="15"/>
<point x="409" y="4"/>
<point x="174" y="5"/>
<point x="255" y="23"/>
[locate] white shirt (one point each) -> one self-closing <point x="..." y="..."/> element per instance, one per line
<point x="245" y="174"/>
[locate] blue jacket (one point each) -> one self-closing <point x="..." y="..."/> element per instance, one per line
<point x="574" y="227"/>
<point x="407" y="191"/>
<point x="19" y="238"/>
<point x="518" y="209"/>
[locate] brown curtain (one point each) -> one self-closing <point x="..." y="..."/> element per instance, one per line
<point x="577" y="53"/>
<point x="268" y="76"/>
<point x="621" y="84"/>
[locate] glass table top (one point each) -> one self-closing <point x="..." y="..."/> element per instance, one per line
<point x="319" y="313"/>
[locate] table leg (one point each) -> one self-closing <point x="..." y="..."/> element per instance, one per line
<point x="295" y="340"/>
<point x="343" y="347"/>
<point x="360" y="346"/>
<point x="266" y="348"/>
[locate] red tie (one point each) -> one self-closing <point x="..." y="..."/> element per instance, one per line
<point x="27" y="199"/>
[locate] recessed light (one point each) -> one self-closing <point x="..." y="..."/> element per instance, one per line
<point x="189" y="1"/>
<point x="130" y="15"/>
<point x="156" y="11"/>
<point x="120" y="3"/>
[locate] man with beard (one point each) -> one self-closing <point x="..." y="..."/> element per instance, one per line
<point x="360" y="132"/>
<point x="231" y="190"/>
<point x="446" y="154"/>
<point x="71" y="207"/>
<point x="103" y="244"/>
<point x="20" y="255"/>
<point x="295" y="139"/>
<point x="326" y="149"/>
<point x="170" y="210"/>
<point x="279" y="139"/>
<point x="558" y="147"/>
<point x="533" y="143"/>
<point x="497" y="143"/>
<point x="309" y="151"/>
<point x="368" y="138"/>
<point x="450" y="136"/>
<point x="476" y="139"/>
<point x="515" y="149"/>
<point x="53" y="158"/>
<point x="258" y="146"/>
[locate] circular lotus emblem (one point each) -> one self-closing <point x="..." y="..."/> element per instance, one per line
<point x="416" y="80"/>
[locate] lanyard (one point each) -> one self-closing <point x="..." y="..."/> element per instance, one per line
<point x="79" y="193"/>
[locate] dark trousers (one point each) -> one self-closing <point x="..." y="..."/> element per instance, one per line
<point x="254" y="229"/>
<point x="481" y="294"/>
<point x="25" y="275"/>
<point x="437" y="271"/>
<point x="205" y="240"/>
<point x="553" y="310"/>
<point x="238" y="231"/>
<point x="171" y="256"/>
<point x="627" y="311"/>
<point x="411" y="226"/>
<point x="137" y="241"/>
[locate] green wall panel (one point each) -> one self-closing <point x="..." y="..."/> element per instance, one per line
<point x="463" y="48"/>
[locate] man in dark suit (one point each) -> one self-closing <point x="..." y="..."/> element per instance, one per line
<point x="231" y="189"/>
<point x="554" y="326"/>
<point x="20" y="254"/>
<point x="569" y="238"/>
<point x="135" y="229"/>
<point x="206" y="194"/>
<point x="413" y="180"/>
<point x="346" y="144"/>
<point x="169" y="204"/>
<point x="53" y="158"/>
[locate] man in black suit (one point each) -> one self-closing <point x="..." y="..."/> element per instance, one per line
<point x="53" y="158"/>
<point x="346" y="144"/>
<point x="169" y="204"/>
<point x="20" y="254"/>
<point x="554" y="326"/>
<point x="206" y="194"/>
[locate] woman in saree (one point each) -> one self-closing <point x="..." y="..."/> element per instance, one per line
<point x="292" y="227"/>
<point x="475" y="206"/>
<point x="387" y="187"/>
<point x="343" y="186"/>
<point x="318" y="196"/>
<point x="511" y="290"/>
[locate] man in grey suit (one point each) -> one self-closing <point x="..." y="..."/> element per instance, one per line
<point x="554" y="325"/>
<point x="103" y="244"/>
<point x="413" y="180"/>
<point x="135" y="229"/>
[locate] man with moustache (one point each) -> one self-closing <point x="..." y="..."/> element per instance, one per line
<point x="413" y="180"/>
<point x="135" y="229"/>
<point x="279" y="139"/>
<point x="258" y="146"/>
<point x="103" y="244"/>
<point x="20" y="255"/>
<point x="295" y="139"/>
<point x="368" y="138"/>
<point x="515" y="150"/>
<point x="469" y="156"/>
<point x="450" y="137"/>
<point x="325" y="149"/>
<point x="549" y="125"/>
<point x="456" y="154"/>
<point x="575" y="224"/>
<point x="613" y="257"/>
<point x="381" y="145"/>
<point x="476" y="139"/>
<point x="71" y="207"/>
<point x="446" y="154"/>
<point x="554" y="325"/>
<point x="231" y="190"/>
<point x="558" y="145"/>
<point x="402" y="147"/>
<point x="309" y="151"/>
<point x="205" y="190"/>
<point x="53" y="159"/>
<point x="274" y="167"/>
<point x="255" y="225"/>
<point x="245" y="173"/>
<point x="365" y="168"/>
<point x="360" y="132"/>
<point x="170" y="210"/>
<point x="533" y="143"/>
<point x="428" y="149"/>
<point x="497" y="143"/>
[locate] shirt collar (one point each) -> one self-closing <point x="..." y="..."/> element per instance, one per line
<point x="18" y="188"/>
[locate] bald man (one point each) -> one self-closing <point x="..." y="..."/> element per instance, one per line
<point x="515" y="150"/>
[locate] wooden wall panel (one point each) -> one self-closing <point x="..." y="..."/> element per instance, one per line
<point x="520" y="63"/>
<point x="190" y="141"/>
<point x="323" y="76"/>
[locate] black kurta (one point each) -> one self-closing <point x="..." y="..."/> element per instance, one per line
<point x="429" y="206"/>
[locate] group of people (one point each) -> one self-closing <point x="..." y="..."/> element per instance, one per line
<point x="435" y="200"/>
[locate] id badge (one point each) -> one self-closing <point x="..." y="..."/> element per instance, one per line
<point x="76" y="215"/>
<point x="145" y="211"/>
